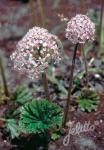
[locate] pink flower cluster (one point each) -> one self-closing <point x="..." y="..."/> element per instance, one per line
<point x="80" y="29"/>
<point x="35" y="51"/>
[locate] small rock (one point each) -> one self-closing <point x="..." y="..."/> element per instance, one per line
<point x="41" y="148"/>
<point x="78" y="93"/>
<point x="86" y="143"/>
<point x="101" y="121"/>
<point x="52" y="146"/>
<point x="97" y="76"/>
<point x="62" y="104"/>
<point x="98" y="87"/>
<point x="97" y="62"/>
<point x="79" y="112"/>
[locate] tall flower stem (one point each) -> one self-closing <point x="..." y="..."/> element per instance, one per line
<point x="4" y="78"/>
<point x="41" y="12"/>
<point x="31" y="2"/>
<point x="82" y="6"/>
<point x="47" y="2"/>
<point x="82" y="48"/>
<point x="101" y="22"/>
<point x="45" y="84"/>
<point x="70" y="87"/>
<point x="44" y="79"/>
<point x="85" y="64"/>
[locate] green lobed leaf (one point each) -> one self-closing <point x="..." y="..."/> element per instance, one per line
<point x="12" y="128"/>
<point x="88" y="100"/>
<point x="22" y="95"/>
<point x="39" y="116"/>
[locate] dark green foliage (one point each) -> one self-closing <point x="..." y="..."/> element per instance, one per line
<point x="39" y="116"/>
<point x="95" y="17"/>
<point x="88" y="100"/>
<point x="52" y="78"/>
<point x="12" y="127"/>
<point x="19" y="98"/>
<point x="22" y="95"/>
<point x="55" y="136"/>
<point x="76" y="81"/>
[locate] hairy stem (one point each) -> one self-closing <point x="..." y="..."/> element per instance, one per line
<point x="41" y="12"/>
<point x="45" y="84"/>
<point x="70" y="87"/>
<point x="85" y="64"/>
<point x="45" y="81"/>
<point x="82" y="6"/>
<point x="4" y="78"/>
<point x="82" y="49"/>
<point x="101" y="22"/>
<point x="47" y="2"/>
<point x="34" y="22"/>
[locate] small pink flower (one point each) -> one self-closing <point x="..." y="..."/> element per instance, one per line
<point x="80" y="29"/>
<point x="35" y="51"/>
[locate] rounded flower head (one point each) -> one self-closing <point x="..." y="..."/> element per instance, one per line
<point x="80" y="29"/>
<point x="35" y="51"/>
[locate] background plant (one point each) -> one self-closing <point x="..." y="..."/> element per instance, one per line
<point x="88" y="100"/>
<point x="18" y="99"/>
<point x="4" y="78"/>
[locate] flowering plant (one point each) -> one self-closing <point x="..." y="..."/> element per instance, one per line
<point x="35" y="51"/>
<point x="80" y="29"/>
